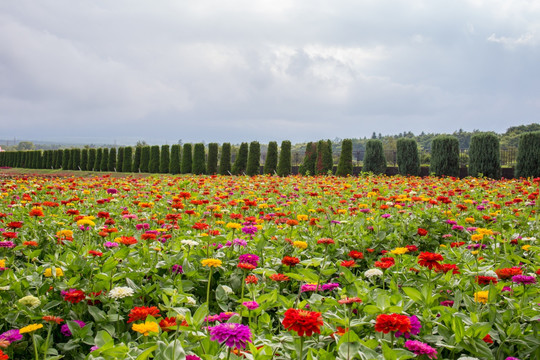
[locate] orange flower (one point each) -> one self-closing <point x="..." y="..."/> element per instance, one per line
<point x="141" y="313"/>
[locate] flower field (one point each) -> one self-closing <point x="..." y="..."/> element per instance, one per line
<point x="220" y="267"/>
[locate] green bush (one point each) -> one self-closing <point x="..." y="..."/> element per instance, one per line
<point x="407" y="157"/>
<point x="127" y="165"/>
<point x="324" y="161"/>
<point x="187" y="159"/>
<point x="65" y="159"/>
<point x="444" y="156"/>
<point x="174" y="164"/>
<point x="75" y="159"/>
<point x="345" y="164"/>
<point x="254" y="159"/>
<point x="119" y="159"/>
<point x="137" y="159"/>
<point x="145" y="159"/>
<point x="240" y="163"/>
<point x="270" y="164"/>
<point x="153" y="166"/>
<point x="92" y="154"/>
<point x="374" y="159"/>
<point x="111" y="161"/>
<point x="199" y="159"/>
<point x="485" y="156"/>
<point x="165" y="159"/>
<point x="105" y="160"/>
<point x="212" y="166"/>
<point x="284" y="165"/>
<point x="84" y="160"/>
<point x="310" y="159"/>
<point x="528" y="158"/>
<point x="225" y="160"/>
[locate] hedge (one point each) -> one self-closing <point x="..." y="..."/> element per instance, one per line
<point x="374" y="159"/>
<point x="407" y="157"/>
<point x="444" y="156"/>
<point x="485" y="156"/>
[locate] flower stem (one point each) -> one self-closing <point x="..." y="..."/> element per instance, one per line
<point x="35" y="347"/>
<point x="208" y="289"/>
<point x="301" y="348"/>
<point x="47" y="342"/>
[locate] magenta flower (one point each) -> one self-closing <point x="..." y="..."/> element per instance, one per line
<point x="420" y="348"/>
<point x="524" y="279"/>
<point x="251" y="305"/>
<point x="232" y="334"/>
<point x="65" y="328"/>
<point x="415" y="328"/>
<point x="249" y="259"/>
<point x="11" y="336"/>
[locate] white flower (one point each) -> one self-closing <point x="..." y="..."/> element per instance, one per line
<point x="120" y="292"/>
<point x="30" y="301"/>
<point x="227" y="289"/>
<point x="190" y="300"/>
<point x="373" y="272"/>
<point x="189" y="242"/>
<point x="3" y="288"/>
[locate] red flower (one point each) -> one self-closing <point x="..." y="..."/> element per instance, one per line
<point x="9" y="235"/>
<point x="356" y="254"/>
<point x="290" y="261"/>
<point x="30" y="243"/>
<point x="487" y="339"/>
<point x="457" y="244"/>
<point x="3" y="356"/>
<point x="304" y="322"/>
<point x="507" y="273"/>
<point x="127" y="240"/>
<point x="326" y="241"/>
<point x="411" y="248"/>
<point x="167" y="323"/>
<point x="95" y="253"/>
<point x="279" y="277"/>
<point x="200" y="226"/>
<point x="15" y="224"/>
<point x="486" y="280"/>
<point x="246" y="266"/>
<point x="54" y="319"/>
<point x="422" y="232"/>
<point x="448" y="267"/>
<point x="430" y="260"/>
<point x="36" y="212"/>
<point x="347" y="263"/>
<point x="383" y="264"/>
<point x="141" y="313"/>
<point x="73" y="296"/>
<point x="251" y="279"/>
<point x="393" y="322"/>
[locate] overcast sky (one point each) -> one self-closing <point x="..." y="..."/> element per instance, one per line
<point x="241" y="70"/>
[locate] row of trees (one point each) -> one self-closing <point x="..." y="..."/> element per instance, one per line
<point x="484" y="157"/>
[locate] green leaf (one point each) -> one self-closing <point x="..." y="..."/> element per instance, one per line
<point x="146" y="353"/>
<point x="172" y="351"/>
<point x="388" y="353"/>
<point x="458" y="328"/>
<point x="102" y="338"/>
<point x="414" y="294"/>
<point x="199" y="315"/>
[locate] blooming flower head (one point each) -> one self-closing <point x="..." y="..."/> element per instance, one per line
<point x="142" y="312"/>
<point x="30" y="328"/>
<point x="73" y="296"/>
<point x="251" y="305"/>
<point x="249" y="259"/>
<point x="232" y="334"/>
<point x="481" y="296"/>
<point x="177" y="269"/>
<point x="393" y="322"/>
<point x="65" y="328"/>
<point x="146" y="328"/>
<point x="420" y="348"/>
<point x="373" y="273"/>
<point x="30" y="301"/>
<point x="430" y="260"/>
<point x="58" y="272"/>
<point x="302" y="245"/>
<point x="290" y="260"/>
<point x="120" y="292"/>
<point x="524" y="279"/>
<point x="304" y="322"/>
<point x="11" y="336"/>
<point x="416" y="326"/>
<point x="211" y="262"/>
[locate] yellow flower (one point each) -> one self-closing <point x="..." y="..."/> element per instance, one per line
<point x="481" y="296"/>
<point x="475" y="252"/>
<point x="2" y="263"/>
<point x="300" y="244"/>
<point x="235" y="226"/>
<point x="477" y="237"/>
<point x="400" y="251"/>
<point x="146" y="328"/>
<point x="48" y="272"/>
<point x="469" y="220"/>
<point x="85" y="221"/>
<point x="301" y="217"/>
<point x="211" y="262"/>
<point x="30" y="328"/>
<point x="526" y="247"/>
<point x="64" y="233"/>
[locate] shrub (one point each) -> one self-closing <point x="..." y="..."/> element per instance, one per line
<point x="187" y="159"/>
<point x="105" y="160"/>
<point x="284" y="165"/>
<point x="225" y="161"/>
<point x="97" y="163"/>
<point x="310" y="158"/>
<point x="328" y="158"/>
<point x="240" y="163"/>
<point x="137" y="159"/>
<point x="65" y="159"/>
<point x="111" y="161"/>
<point x="374" y="160"/>
<point x="345" y="164"/>
<point x="145" y="159"/>
<point x="528" y="159"/>
<point x="119" y="159"/>
<point x="174" y="164"/>
<point x="407" y="157"/>
<point x="270" y="164"/>
<point x="84" y="160"/>
<point x="127" y="165"/>
<point x="92" y="154"/>
<point x="153" y="165"/>
<point x="485" y="156"/>
<point x="165" y="159"/>
<point x="444" y="156"/>
<point x="199" y="159"/>
<point x="254" y="159"/>
<point x="212" y="166"/>
<point x="75" y="159"/>
<point x="324" y="162"/>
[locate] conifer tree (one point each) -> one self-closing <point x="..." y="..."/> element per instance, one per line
<point x="444" y="156"/>
<point x="212" y="166"/>
<point x="174" y="164"/>
<point x="407" y="157"/>
<point x="187" y="159"/>
<point x="270" y="164"/>
<point x="153" y="167"/>
<point x="310" y="159"/>
<point x="145" y="159"/>
<point x="137" y="159"/>
<point x="374" y="160"/>
<point x="119" y="159"/>
<point x="199" y="159"/>
<point x="111" y="161"/>
<point x="345" y="164"/>
<point x="165" y="159"/>
<point x="127" y="164"/>
<point x="254" y="159"/>
<point x="65" y="159"/>
<point x="84" y="159"/>
<point x="485" y="156"/>
<point x="284" y="165"/>
<point x="92" y="154"/>
<point x="97" y="163"/>
<point x="240" y="163"/>
<point x="528" y="159"/>
<point x="225" y="160"/>
<point x="105" y="160"/>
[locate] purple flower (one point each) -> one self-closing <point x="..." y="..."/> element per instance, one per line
<point x="329" y="286"/>
<point x="476" y="246"/>
<point x="112" y="191"/>
<point x="249" y="229"/>
<point x="177" y="269"/>
<point x="224" y="316"/>
<point x="65" y="328"/>
<point x="451" y="222"/>
<point x="458" y="227"/>
<point x="143" y="226"/>
<point x="94" y="348"/>
<point x="249" y="259"/>
<point x="415" y="328"/>
<point x="511" y="358"/>
<point x="420" y="348"/>
<point x="308" y="287"/>
<point x="110" y="244"/>
<point x="11" y="336"/>
<point x="448" y="303"/>
<point x="524" y="279"/>
<point x="506" y="289"/>
<point x="232" y="334"/>
<point x="192" y="357"/>
<point x="7" y="244"/>
<point x="251" y="305"/>
<point x="385" y="216"/>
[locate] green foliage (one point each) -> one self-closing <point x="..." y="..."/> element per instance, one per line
<point x="145" y="159"/>
<point x="137" y="159"/>
<point x="212" y="166"/>
<point x="187" y="159"/>
<point x="174" y="164"/>
<point x="127" y="165"/>
<point x="84" y="160"/>
<point x="165" y="159"/>
<point x="225" y="161"/>
<point x="92" y="154"/>
<point x="97" y="163"/>
<point x="254" y="159"/>
<point x="119" y="159"/>
<point x="153" y="165"/>
<point x="240" y="163"/>
<point x="270" y="164"/>
<point x="374" y="159"/>
<point x="445" y="156"/>
<point x="528" y="159"/>
<point x="345" y="165"/>
<point x="324" y="163"/>
<point x="328" y="158"/>
<point x="407" y="157"/>
<point x="199" y="159"/>
<point x="105" y="160"/>
<point x="75" y="159"/>
<point x="310" y="158"/>
<point x="284" y="165"/>
<point x="111" y="161"/>
<point x="65" y="159"/>
<point x="485" y="156"/>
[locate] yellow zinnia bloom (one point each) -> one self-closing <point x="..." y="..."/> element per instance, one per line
<point x="301" y="217"/>
<point x="400" y="251"/>
<point x="481" y="296"/>
<point x="85" y="221"/>
<point x="300" y="245"/>
<point x="477" y="237"/>
<point x="235" y="226"/>
<point x="48" y="272"/>
<point x="2" y="263"/>
<point x="469" y="220"/>
<point x="30" y="328"/>
<point x="146" y="328"/>
<point x="211" y="262"/>
<point x="526" y="247"/>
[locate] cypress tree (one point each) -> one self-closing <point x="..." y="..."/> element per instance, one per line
<point x="324" y="162"/>
<point x="310" y="159"/>
<point x="104" y="165"/>
<point x="240" y="163"/>
<point x="174" y="165"/>
<point x="328" y="159"/>
<point x="345" y="167"/>
<point x="254" y="159"/>
<point x="120" y="159"/>
<point x="111" y="161"/>
<point x="165" y="159"/>
<point x="270" y="165"/>
<point x="187" y="159"/>
<point x="407" y="157"/>
<point x="528" y="158"/>
<point x="36" y="159"/>
<point x="59" y="159"/>
<point x="137" y="159"/>
<point x="84" y="159"/>
<point x="485" y="156"/>
<point x="127" y="164"/>
<point x="444" y="156"/>
<point x="70" y="161"/>
<point x="212" y="166"/>
<point x="75" y="159"/>
<point x="153" y="166"/>
<point x="45" y="159"/>
<point x="99" y="157"/>
<point x="145" y="159"/>
<point x="65" y="159"/>
<point x="52" y="159"/>
<point x="284" y="165"/>
<point x="374" y="160"/>
<point x="199" y="159"/>
<point x="225" y="161"/>
<point x="92" y="154"/>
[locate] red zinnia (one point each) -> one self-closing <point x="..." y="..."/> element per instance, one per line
<point x="304" y="322"/>
<point x="430" y="260"/>
<point x="393" y="322"/>
<point x="73" y="296"/>
<point x="422" y="232"/>
<point x="9" y="235"/>
<point x="448" y="267"/>
<point x="54" y="319"/>
<point x="486" y="280"/>
<point x="347" y="263"/>
<point x="279" y="277"/>
<point x="246" y="266"/>
<point x="95" y="253"/>
<point x="507" y="273"/>
<point x="15" y="224"/>
<point x="325" y="241"/>
<point x="36" y="212"/>
<point x="167" y="323"/>
<point x="356" y="254"/>
<point x="251" y="279"/>
<point x="290" y="260"/>
<point x="141" y="313"/>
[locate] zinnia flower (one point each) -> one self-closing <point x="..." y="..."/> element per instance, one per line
<point x="65" y="328"/>
<point x="73" y="296"/>
<point x="481" y="296"/>
<point x="416" y="326"/>
<point x="251" y="305"/>
<point x="524" y="279"/>
<point x="232" y="334"/>
<point x="290" y="260"/>
<point x="120" y="292"/>
<point x="11" y="336"/>
<point x="394" y="322"/>
<point x="430" y="260"/>
<point x="249" y="259"/>
<point x="304" y="322"/>
<point x="141" y="313"/>
<point x="30" y="328"/>
<point x="146" y="328"/>
<point x="420" y="348"/>
<point x="373" y="272"/>
<point x="30" y="301"/>
<point x="211" y="262"/>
